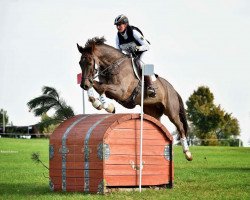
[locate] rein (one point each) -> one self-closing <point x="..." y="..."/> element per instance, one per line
<point x="114" y="64"/>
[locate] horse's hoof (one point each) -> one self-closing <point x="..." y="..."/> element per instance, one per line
<point x="188" y="155"/>
<point x="113" y="111"/>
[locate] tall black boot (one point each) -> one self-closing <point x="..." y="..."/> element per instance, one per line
<point x="150" y="89"/>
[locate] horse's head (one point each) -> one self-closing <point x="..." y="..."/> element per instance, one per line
<point x="87" y="64"/>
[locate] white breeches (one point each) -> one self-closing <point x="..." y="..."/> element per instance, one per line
<point x="146" y="57"/>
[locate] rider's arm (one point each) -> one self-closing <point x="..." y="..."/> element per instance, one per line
<point x="144" y="44"/>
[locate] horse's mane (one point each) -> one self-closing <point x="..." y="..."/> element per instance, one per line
<point x="95" y="41"/>
<point x="92" y="43"/>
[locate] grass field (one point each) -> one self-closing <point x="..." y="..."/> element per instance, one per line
<point x="215" y="173"/>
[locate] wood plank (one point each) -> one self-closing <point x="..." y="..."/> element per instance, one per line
<point x="111" y="170"/>
<point x="55" y="165"/>
<point x="57" y="187"/>
<point x="134" y="180"/>
<point x="76" y="165"/>
<point x="135" y="150"/>
<point x="136" y="124"/>
<point x="76" y="173"/>
<point x="125" y="159"/>
<point x="76" y="183"/>
<point x="127" y="133"/>
<point x="134" y="141"/>
<point x="113" y="159"/>
<point x="56" y="180"/>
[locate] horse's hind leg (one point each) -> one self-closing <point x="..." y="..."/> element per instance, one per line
<point x="180" y="128"/>
<point x="155" y="111"/>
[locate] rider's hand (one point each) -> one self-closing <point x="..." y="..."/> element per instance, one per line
<point x="133" y="49"/>
<point x="137" y="48"/>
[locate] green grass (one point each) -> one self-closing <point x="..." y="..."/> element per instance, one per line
<point x="215" y="173"/>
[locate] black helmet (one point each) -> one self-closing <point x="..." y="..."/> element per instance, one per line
<point x="121" y="19"/>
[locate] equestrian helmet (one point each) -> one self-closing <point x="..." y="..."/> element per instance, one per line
<point x="121" y="19"/>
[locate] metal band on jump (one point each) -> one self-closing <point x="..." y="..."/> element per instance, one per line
<point x="87" y="151"/>
<point x="64" y="151"/>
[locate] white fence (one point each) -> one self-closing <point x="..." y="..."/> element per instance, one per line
<point x="215" y="142"/>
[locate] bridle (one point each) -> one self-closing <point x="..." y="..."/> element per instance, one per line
<point x="110" y="67"/>
<point x="103" y="72"/>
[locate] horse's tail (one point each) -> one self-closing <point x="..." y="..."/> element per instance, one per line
<point x="182" y="115"/>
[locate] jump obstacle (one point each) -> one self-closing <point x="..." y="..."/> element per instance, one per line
<point x="99" y="152"/>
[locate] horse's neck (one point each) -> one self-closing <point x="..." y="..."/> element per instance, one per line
<point x="107" y="55"/>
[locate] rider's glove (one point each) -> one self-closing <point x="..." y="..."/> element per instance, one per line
<point x="136" y="48"/>
<point x="133" y="49"/>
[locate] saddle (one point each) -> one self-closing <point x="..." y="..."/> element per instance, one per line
<point x="137" y="67"/>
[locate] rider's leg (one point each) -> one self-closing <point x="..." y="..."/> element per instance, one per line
<point x="149" y="84"/>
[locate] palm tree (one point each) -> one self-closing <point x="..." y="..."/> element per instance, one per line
<point x="50" y="99"/>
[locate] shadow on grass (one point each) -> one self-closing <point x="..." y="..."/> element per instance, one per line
<point x="24" y="189"/>
<point x="34" y="190"/>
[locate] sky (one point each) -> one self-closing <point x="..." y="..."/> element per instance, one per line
<point x="194" y="43"/>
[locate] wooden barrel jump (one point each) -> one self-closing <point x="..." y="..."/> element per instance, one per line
<point x="96" y="153"/>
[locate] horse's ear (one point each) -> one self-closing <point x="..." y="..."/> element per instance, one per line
<point x="90" y="49"/>
<point x="80" y="49"/>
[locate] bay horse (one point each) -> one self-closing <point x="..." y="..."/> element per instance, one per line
<point x="117" y="81"/>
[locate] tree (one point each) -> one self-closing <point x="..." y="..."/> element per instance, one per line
<point x="50" y="99"/>
<point x="6" y="117"/>
<point x="209" y="120"/>
<point x="47" y="124"/>
<point x="229" y="127"/>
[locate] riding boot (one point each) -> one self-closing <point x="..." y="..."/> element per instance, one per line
<point x="150" y="89"/>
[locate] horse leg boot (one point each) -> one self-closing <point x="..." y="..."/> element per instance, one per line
<point x="96" y="103"/>
<point x="109" y="107"/>
<point x="150" y="89"/>
<point x="185" y="147"/>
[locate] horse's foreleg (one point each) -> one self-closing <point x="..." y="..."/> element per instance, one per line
<point x="108" y="106"/>
<point x="101" y="89"/>
<point x="96" y="103"/>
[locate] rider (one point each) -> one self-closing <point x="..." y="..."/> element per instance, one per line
<point x="131" y="40"/>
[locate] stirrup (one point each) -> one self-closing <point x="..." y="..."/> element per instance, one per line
<point x="151" y="92"/>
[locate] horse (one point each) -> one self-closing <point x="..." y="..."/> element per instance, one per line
<point x="118" y="81"/>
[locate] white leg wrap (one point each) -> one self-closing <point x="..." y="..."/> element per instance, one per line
<point x="97" y="104"/>
<point x="109" y="107"/>
<point x="90" y="92"/>
<point x="104" y="101"/>
<point x="184" y="144"/>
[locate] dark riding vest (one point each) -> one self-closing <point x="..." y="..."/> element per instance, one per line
<point x="130" y="40"/>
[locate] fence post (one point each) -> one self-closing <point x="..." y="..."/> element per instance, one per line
<point x="147" y="70"/>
